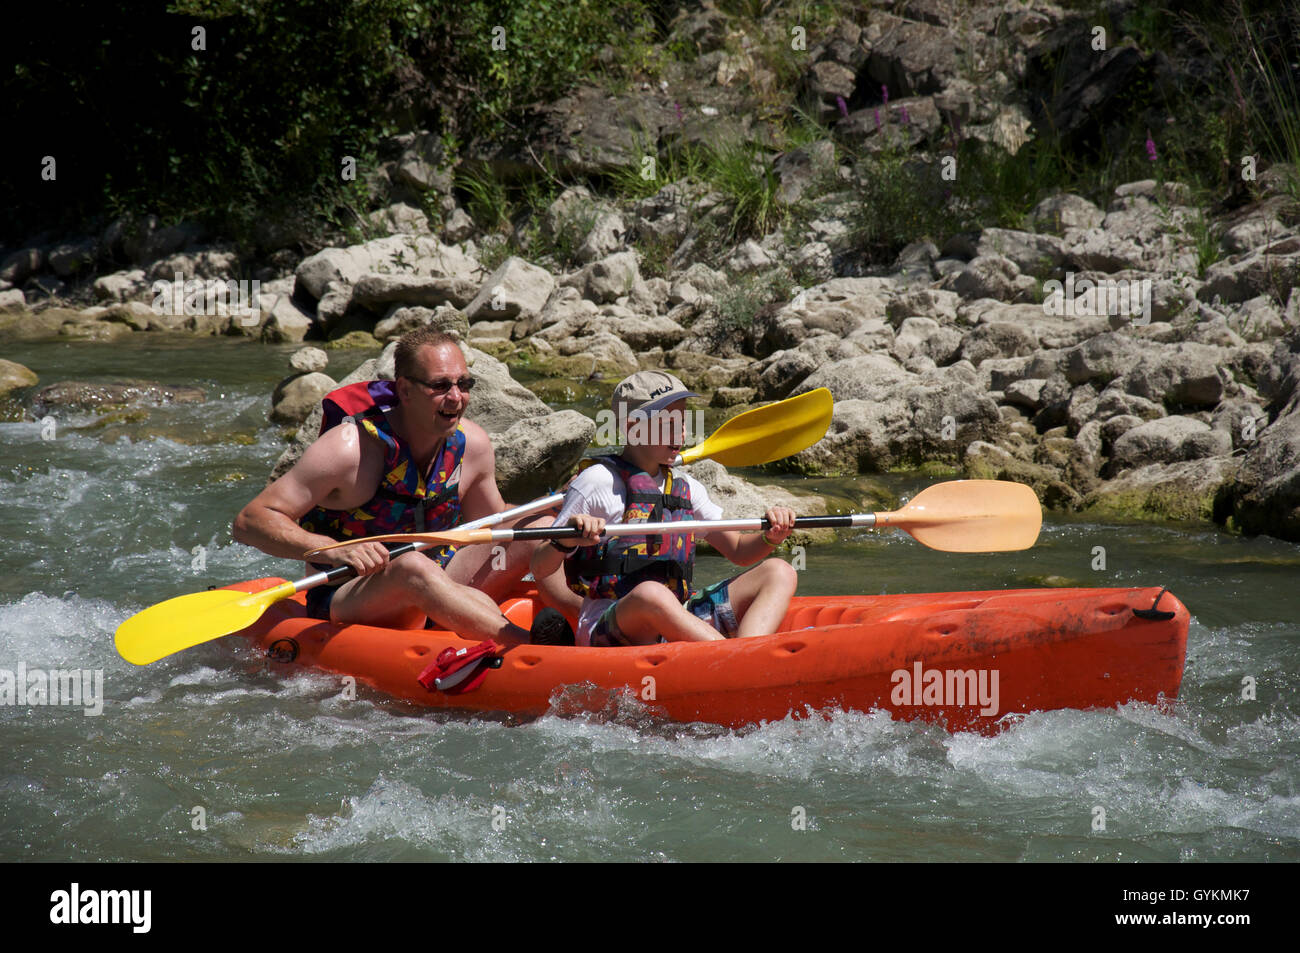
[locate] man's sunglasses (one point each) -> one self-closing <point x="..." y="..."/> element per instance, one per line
<point x="442" y="385"/>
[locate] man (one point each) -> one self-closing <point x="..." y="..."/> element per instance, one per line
<point x="637" y="589"/>
<point x="415" y="466"/>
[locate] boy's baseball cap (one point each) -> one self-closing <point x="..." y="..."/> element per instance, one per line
<point x="648" y="391"/>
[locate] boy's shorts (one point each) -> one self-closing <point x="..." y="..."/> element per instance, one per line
<point x="711" y="604"/>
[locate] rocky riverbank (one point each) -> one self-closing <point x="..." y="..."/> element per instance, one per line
<point x="1135" y="356"/>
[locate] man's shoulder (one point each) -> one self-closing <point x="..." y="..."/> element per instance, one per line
<point x="477" y="441"/>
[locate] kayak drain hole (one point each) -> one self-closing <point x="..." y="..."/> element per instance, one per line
<point x="948" y="628"/>
<point x="792" y="647"/>
<point x="418" y="651"/>
<point x="1115" y="608"/>
<point x="650" y="661"/>
<point x="526" y="661"/>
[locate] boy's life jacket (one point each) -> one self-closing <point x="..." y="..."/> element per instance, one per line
<point x="402" y="503"/>
<point x="613" y="568"/>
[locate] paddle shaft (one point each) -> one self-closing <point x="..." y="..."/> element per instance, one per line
<point x="340" y="573"/>
<point x="864" y="520"/>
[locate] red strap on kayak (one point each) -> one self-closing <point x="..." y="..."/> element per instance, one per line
<point x="456" y="671"/>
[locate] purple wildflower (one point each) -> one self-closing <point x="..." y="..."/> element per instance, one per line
<point x="1151" y="147"/>
<point x="902" y="110"/>
<point x="875" y="113"/>
<point x="884" y="94"/>
<point x="844" y="107"/>
<point x="678" y="107"/>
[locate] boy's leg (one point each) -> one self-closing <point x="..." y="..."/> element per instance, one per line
<point x="648" y="611"/>
<point x="760" y="597"/>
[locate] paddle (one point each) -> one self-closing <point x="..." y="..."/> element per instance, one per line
<point x="961" y="516"/>
<point x="767" y="433"/>
<point x="186" y="621"/>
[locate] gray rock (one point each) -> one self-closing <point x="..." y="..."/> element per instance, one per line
<point x="1185" y="490"/>
<point x="423" y="165"/>
<point x="20" y="265"/>
<point x="1100" y="359"/>
<point x="346" y="265"/>
<point x="1265" y="497"/>
<point x="1026" y="393"/>
<point x="926" y="336"/>
<point x="988" y="276"/>
<point x="517" y="289"/>
<point x="295" y="397"/>
<point x="458" y="226"/>
<point x="537" y="454"/>
<point x="1258" y="319"/>
<point x="866" y="377"/>
<point x="608" y="279"/>
<point x="997" y="340"/>
<point x="1063" y="211"/>
<point x="749" y="257"/>
<point x="287" y="323"/>
<point x="1258" y="272"/>
<point x="309" y="359"/>
<point x="403" y="319"/>
<point x="12" y="300"/>
<point x="919" y="423"/>
<point x="120" y="285"/>
<point x="1033" y="254"/>
<point x="1115" y="402"/>
<point x="1186" y="374"/>
<point x="605" y="237"/>
<point x="14" y="376"/>
<point x="1168" y="440"/>
<point x="89" y="395"/>
<point x="68" y="259"/>
<point x="1255" y="232"/>
<point x="926" y="303"/>
<point x="498" y="400"/>
<point x="374" y="291"/>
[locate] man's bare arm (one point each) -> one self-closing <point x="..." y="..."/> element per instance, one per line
<point x="479" y="494"/>
<point x="329" y="474"/>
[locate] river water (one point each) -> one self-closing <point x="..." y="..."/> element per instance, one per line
<point x="212" y="755"/>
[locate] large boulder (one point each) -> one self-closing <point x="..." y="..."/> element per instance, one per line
<point x="608" y="279"/>
<point x="295" y="397"/>
<point x="535" y="455"/>
<point x="376" y="292"/>
<point x="1265" y="497"/>
<point x="1168" y="440"/>
<point x="1182" y="491"/>
<point x="516" y="290"/>
<point x="1179" y="375"/>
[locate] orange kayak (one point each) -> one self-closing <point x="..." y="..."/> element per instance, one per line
<point x="967" y="660"/>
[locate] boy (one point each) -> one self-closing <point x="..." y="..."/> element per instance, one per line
<point x="637" y="590"/>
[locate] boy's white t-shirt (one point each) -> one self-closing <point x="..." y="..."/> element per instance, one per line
<point x="597" y="491"/>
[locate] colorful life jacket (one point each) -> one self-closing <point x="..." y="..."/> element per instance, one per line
<point x="401" y="503"/>
<point x="612" y="569"/>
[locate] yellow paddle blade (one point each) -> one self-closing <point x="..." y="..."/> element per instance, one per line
<point x="768" y="433"/>
<point x="446" y="537"/>
<point x="187" y="620"/>
<point x="971" y="516"/>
